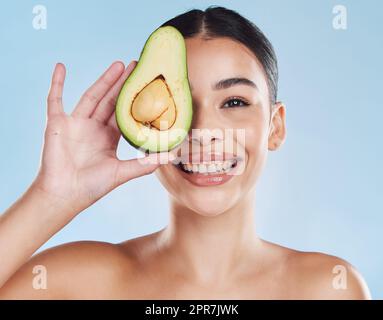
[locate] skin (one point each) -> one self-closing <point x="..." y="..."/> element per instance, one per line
<point x="209" y="249"/>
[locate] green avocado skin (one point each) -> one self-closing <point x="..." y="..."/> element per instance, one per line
<point x="154" y="148"/>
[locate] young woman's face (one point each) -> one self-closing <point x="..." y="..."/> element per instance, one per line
<point x="235" y="112"/>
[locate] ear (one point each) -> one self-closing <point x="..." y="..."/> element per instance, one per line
<point x="277" y="133"/>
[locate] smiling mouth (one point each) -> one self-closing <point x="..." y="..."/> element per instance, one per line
<point x="207" y="168"/>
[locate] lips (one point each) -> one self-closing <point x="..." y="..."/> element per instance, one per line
<point x="205" y="180"/>
<point x="207" y="169"/>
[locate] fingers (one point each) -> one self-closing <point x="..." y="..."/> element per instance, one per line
<point x="98" y="90"/>
<point x="54" y="99"/>
<point x="107" y="105"/>
<point x="130" y="169"/>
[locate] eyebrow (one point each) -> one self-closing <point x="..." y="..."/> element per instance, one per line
<point x="227" y="83"/>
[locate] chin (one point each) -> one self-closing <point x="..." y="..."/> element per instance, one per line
<point x="208" y="203"/>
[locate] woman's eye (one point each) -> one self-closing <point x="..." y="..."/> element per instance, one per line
<point x="235" y="102"/>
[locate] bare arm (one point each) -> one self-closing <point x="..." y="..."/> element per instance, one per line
<point x="26" y="226"/>
<point x="78" y="166"/>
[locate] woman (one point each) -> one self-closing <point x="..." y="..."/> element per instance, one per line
<point x="210" y="249"/>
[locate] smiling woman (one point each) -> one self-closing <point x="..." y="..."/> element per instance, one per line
<point x="210" y="248"/>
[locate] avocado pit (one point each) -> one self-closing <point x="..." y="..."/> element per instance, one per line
<point x="154" y="106"/>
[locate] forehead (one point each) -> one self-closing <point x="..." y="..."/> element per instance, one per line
<point x="220" y="58"/>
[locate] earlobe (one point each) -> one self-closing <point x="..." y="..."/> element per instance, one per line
<point x="277" y="128"/>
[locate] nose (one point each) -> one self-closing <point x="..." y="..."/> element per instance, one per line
<point x="204" y="130"/>
<point x="204" y="136"/>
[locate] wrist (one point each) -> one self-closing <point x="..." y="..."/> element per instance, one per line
<point x="50" y="204"/>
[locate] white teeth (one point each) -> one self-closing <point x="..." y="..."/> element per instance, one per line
<point x="211" y="167"/>
<point x="202" y="168"/>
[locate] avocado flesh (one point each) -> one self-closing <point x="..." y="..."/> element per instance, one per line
<point x="154" y="107"/>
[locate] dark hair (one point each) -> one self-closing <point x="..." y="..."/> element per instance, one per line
<point x="221" y="22"/>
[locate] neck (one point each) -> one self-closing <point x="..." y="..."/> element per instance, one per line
<point x="211" y="247"/>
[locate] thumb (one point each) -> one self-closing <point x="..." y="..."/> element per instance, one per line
<point x="134" y="168"/>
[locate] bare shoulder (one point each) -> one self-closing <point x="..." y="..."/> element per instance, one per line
<point x="322" y="276"/>
<point x="313" y="275"/>
<point x="84" y="269"/>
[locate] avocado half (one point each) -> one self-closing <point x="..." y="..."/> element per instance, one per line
<point x="154" y="108"/>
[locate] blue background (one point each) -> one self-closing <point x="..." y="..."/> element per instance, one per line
<point x="321" y="192"/>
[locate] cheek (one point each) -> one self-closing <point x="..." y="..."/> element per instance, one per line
<point x="256" y="140"/>
<point x="256" y="146"/>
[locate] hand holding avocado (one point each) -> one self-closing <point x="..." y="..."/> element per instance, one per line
<point x="79" y="163"/>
